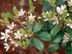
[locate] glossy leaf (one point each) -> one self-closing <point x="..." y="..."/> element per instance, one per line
<point x="57" y="38"/>
<point x="1" y="20"/>
<point x="55" y="30"/>
<point x="19" y="43"/>
<point x="28" y="24"/>
<point x="22" y="30"/>
<point x="37" y="43"/>
<point x="38" y="27"/>
<point x="3" y="15"/>
<point x="15" y="10"/>
<point x="64" y="44"/>
<point x="53" y="47"/>
<point x="9" y="15"/>
<point x="45" y="36"/>
<point x="31" y="6"/>
<point x="64" y="14"/>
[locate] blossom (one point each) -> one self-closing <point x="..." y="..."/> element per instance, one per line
<point x="34" y="0"/>
<point x="13" y="42"/>
<point x="47" y="12"/>
<point x="26" y="35"/>
<point x="11" y="26"/>
<point x="18" y="35"/>
<point x="66" y="39"/>
<point x="46" y="20"/>
<point x="55" y="19"/>
<point x="23" y="22"/>
<point x="31" y="17"/>
<point x="6" y="46"/>
<point x="61" y="9"/>
<point x="70" y="25"/>
<point x="39" y="17"/>
<point x="21" y="12"/>
<point x="5" y="35"/>
<point x="70" y="3"/>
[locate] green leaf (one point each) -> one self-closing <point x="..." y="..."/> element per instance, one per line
<point x="22" y="30"/>
<point x="19" y="43"/>
<point x="31" y="42"/>
<point x="57" y="38"/>
<point x="15" y="10"/>
<point x="68" y="29"/>
<point x="68" y="48"/>
<point x="37" y="43"/>
<point x="64" y="44"/>
<point x="44" y="3"/>
<point x="49" y="15"/>
<point x="37" y="27"/>
<point x="3" y="15"/>
<point x="55" y="30"/>
<point x="64" y="15"/>
<point x="33" y="26"/>
<point x="53" y="47"/>
<point x="45" y="36"/>
<point x="45" y="14"/>
<point x="1" y="20"/>
<point x="45" y="8"/>
<point x="59" y="2"/>
<point x="31" y="5"/>
<point x="9" y="15"/>
<point x="28" y="24"/>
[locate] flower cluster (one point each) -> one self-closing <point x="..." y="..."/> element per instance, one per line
<point x="66" y="37"/>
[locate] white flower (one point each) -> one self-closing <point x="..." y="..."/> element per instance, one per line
<point x="13" y="42"/>
<point x="11" y="26"/>
<point x="70" y="25"/>
<point x="70" y="3"/>
<point x="44" y="16"/>
<point x="34" y="0"/>
<point x="5" y="35"/>
<point x="23" y="22"/>
<point x="21" y="12"/>
<point x="67" y="14"/>
<point x="46" y="20"/>
<point x="6" y="46"/>
<point x="61" y="9"/>
<point x="31" y="17"/>
<point x="18" y="35"/>
<point x="56" y="22"/>
<point x="39" y="17"/>
<point x="55" y="19"/>
<point x="26" y="35"/>
<point x="47" y="12"/>
<point x="66" y="39"/>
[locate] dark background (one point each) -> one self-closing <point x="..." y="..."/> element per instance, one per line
<point x="7" y="6"/>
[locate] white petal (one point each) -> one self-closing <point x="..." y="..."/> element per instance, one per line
<point x="8" y="26"/>
<point x="2" y="37"/>
<point x="7" y="49"/>
<point x="2" y="33"/>
<point x="5" y="40"/>
<point x="15" y="34"/>
<point x="16" y="45"/>
<point x="5" y="44"/>
<point x="64" y="41"/>
<point x="18" y="32"/>
<point x="21" y="10"/>
<point x="58" y="8"/>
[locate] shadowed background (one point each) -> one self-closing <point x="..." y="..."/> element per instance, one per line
<point x="7" y="6"/>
